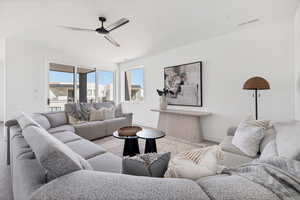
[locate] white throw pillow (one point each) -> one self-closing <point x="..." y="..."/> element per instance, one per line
<point x="195" y="164"/>
<point x="249" y="135"/>
<point x="287" y="139"/>
<point x="97" y="115"/>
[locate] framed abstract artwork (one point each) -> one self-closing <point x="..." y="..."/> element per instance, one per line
<point x="185" y="82"/>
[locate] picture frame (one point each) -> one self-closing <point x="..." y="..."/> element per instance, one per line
<point x="185" y="82"/>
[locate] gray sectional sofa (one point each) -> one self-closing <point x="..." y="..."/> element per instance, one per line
<point x="61" y="165"/>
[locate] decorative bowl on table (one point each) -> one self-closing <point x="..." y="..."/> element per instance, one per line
<point x="129" y="130"/>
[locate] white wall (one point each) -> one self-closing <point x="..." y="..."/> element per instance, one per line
<point x="2" y="80"/>
<point x="229" y="60"/>
<point x="27" y="74"/>
<point x="297" y="63"/>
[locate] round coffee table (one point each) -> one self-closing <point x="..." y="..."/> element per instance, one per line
<point x="131" y="144"/>
<point x="150" y="135"/>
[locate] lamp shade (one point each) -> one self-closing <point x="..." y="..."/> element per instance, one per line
<point x="256" y="83"/>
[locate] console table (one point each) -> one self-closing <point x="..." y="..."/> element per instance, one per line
<point x="182" y="124"/>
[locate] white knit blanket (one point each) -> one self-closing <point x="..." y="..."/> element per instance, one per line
<point x="195" y="164"/>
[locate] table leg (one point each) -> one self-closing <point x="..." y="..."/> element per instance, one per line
<point x="131" y="147"/>
<point x="150" y="146"/>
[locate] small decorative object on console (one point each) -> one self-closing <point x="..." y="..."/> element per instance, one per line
<point x="129" y="130"/>
<point x="163" y="98"/>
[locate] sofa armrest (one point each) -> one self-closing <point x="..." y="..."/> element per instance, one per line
<point x="95" y="185"/>
<point x="128" y="116"/>
<point x="231" y="131"/>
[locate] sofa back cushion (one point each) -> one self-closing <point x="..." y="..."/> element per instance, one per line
<point x="56" y="118"/>
<point x="41" y="120"/>
<point x="54" y="156"/>
<point x="25" y="121"/>
<point x="287" y="140"/>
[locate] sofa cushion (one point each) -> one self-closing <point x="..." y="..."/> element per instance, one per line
<point x="41" y="120"/>
<point x="86" y="148"/>
<point x="91" y="130"/>
<point x="270" y="150"/>
<point x="227" y="145"/>
<point x="57" y="118"/>
<point x="114" y="124"/>
<point x="269" y="135"/>
<point x="54" y="156"/>
<point x="62" y="129"/>
<point x="66" y="136"/>
<point x="25" y="120"/>
<point x="287" y="140"/>
<point x="106" y="162"/>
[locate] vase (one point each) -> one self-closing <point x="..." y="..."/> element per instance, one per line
<point x="163" y="103"/>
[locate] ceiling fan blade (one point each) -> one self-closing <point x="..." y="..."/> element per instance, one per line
<point x="117" y="24"/>
<point x="111" y="40"/>
<point x="76" y="29"/>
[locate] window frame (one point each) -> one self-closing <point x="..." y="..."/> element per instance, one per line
<point x="123" y="100"/>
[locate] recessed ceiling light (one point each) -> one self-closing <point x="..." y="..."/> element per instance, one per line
<point x="248" y="22"/>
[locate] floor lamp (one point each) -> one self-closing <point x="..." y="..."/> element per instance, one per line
<point x="256" y="83"/>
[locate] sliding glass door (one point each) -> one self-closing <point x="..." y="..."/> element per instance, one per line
<point x="86" y="84"/>
<point x="105" y="85"/>
<point x="78" y="84"/>
<point x="61" y="86"/>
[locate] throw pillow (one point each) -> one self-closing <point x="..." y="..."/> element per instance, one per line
<point x="97" y="115"/>
<point x="151" y="164"/>
<point x="109" y="113"/>
<point x="85" y="109"/>
<point x="73" y="121"/>
<point x="249" y="135"/>
<point x="195" y="164"/>
<point x="287" y="140"/>
<point x="247" y="139"/>
<point x="53" y="155"/>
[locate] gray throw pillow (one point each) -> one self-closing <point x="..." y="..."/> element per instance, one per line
<point x="53" y="155"/>
<point x="287" y="140"/>
<point x="25" y="121"/>
<point x="85" y="109"/>
<point x="151" y="164"/>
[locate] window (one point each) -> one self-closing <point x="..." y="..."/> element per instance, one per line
<point x="61" y="86"/>
<point x="134" y="84"/>
<point x="105" y="86"/>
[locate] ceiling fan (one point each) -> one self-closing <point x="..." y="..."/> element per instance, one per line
<point x="103" y="30"/>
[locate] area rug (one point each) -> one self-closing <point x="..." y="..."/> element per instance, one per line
<point x="166" y="144"/>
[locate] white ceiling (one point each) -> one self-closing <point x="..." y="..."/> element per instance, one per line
<point x="155" y="25"/>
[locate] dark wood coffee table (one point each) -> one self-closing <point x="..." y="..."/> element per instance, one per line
<point x="131" y="144"/>
<point x="150" y="135"/>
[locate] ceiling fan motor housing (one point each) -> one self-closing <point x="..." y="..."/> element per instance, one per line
<point x="102" y="30"/>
